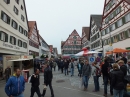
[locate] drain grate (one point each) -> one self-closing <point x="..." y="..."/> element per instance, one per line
<point x="60" y="81"/>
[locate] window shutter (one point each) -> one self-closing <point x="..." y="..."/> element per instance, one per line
<point x="11" y="39"/>
<point x="123" y="20"/>
<point x="8" y="20"/>
<point x="14" y="41"/>
<point x="0" y="35"/>
<point x="2" y="15"/>
<point x="6" y="37"/>
<point x="126" y="34"/>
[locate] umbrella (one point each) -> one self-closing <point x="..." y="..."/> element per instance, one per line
<point x="93" y="52"/>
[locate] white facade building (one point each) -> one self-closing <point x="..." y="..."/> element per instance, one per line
<point x="116" y="25"/>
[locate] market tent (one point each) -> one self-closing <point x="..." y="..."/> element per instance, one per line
<point x="119" y="50"/>
<point x="93" y="52"/>
<point x="110" y="52"/>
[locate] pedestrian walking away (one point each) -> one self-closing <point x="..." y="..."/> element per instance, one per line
<point x="47" y="79"/>
<point x="66" y="64"/>
<point x="86" y="73"/>
<point x="35" y="81"/>
<point x="117" y="81"/>
<point x="71" y="66"/>
<point x="15" y="85"/>
<point x="7" y="73"/>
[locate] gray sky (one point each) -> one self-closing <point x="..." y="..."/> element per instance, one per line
<point x="56" y="19"/>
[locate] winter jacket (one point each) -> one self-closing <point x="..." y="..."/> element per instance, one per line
<point x="35" y="80"/>
<point x="105" y="69"/>
<point x="124" y="59"/>
<point x="66" y="65"/>
<point x="15" y="86"/>
<point x="86" y="71"/>
<point x="123" y="68"/>
<point x="117" y="79"/>
<point x="47" y="75"/>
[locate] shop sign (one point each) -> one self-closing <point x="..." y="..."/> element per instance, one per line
<point x="10" y="46"/>
<point x="27" y="57"/>
<point x="12" y="57"/>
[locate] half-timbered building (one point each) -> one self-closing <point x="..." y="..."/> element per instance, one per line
<point x="95" y="35"/>
<point x="115" y="28"/>
<point x="85" y="37"/>
<point x="72" y="45"/>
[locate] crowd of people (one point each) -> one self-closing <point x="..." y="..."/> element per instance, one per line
<point x="114" y="73"/>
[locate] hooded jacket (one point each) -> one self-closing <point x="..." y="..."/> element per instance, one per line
<point x="86" y="71"/>
<point x="15" y="86"/>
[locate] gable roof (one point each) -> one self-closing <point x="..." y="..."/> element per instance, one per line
<point x="97" y="19"/>
<point x="69" y="36"/>
<point x="86" y="30"/>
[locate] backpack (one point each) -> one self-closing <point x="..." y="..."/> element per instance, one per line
<point x="98" y="72"/>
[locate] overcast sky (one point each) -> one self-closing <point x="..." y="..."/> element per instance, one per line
<point x="56" y="19"/>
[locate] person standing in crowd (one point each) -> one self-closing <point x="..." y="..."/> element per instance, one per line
<point x="123" y="67"/>
<point x="38" y="65"/>
<point x="86" y="73"/>
<point x="48" y="76"/>
<point x="95" y="71"/>
<point x="105" y="75"/>
<point x="66" y="64"/>
<point x="117" y="81"/>
<point x="124" y="59"/>
<point x="7" y="73"/>
<point x="62" y="65"/>
<point x="51" y="64"/>
<point x="58" y="63"/>
<point x="15" y="85"/>
<point x="80" y="66"/>
<point x="35" y="81"/>
<point x="128" y="67"/>
<point x="54" y="65"/>
<point x="71" y="66"/>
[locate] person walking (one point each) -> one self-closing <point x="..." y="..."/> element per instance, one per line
<point x="48" y="76"/>
<point x="80" y="66"/>
<point x="35" y="81"/>
<point x="104" y="70"/>
<point x="62" y="65"/>
<point x="15" y="86"/>
<point x="86" y="73"/>
<point x="95" y="70"/>
<point x="71" y="65"/>
<point x="66" y="64"/>
<point x="54" y="65"/>
<point x="7" y="73"/>
<point x="117" y="81"/>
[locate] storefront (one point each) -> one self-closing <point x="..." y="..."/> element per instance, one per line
<point x="15" y="61"/>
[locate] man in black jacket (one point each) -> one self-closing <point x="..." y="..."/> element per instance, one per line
<point x="123" y="67"/>
<point x="48" y="79"/>
<point x="35" y="83"/>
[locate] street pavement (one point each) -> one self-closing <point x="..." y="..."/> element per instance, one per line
<point x="64" y="86"/>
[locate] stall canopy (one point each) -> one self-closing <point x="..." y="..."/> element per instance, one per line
<point x="19" y="60"/>
<point x="118" y="50"/>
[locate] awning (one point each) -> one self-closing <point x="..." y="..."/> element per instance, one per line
<point x="19" y="60"/>
<point x="119" y="50"/>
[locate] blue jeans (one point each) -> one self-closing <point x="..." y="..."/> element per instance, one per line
<point x="85" y="79"/>
<point x="96" y="83"/>
<point x="72" y="71"/>
<point x="66" y="70"/>
<point x="21" y="95"/>
<point x="118" y="93"/>
<point x="105" y="84"/>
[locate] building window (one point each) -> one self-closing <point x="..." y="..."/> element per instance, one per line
<point x="24" y="44"/>
<point x="21" y="29"/>
<point x="17" y="1"/>
<point x="25" y="33"/>
<point x="3" y="36"/>
<point x="21" y="7"/>
<point x="75" y="37"/>
<point x="19" y="43"/>
<point x="14" y="24"/>
<point x="7" y="1"/>
<point x="119" y="23"/>
<point x="5" y="17"/>
<point x="122" y="36"/>
<point x="74" y="42"/>
<point x="127" y="18"/>
<point x="118" y="10"/>
<point x="22" y="18"/>
<point x="16" y="10"/>
<point x="12" y="40"/>
<point x="107" y="30"/>
<point x="103" y="32"/>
